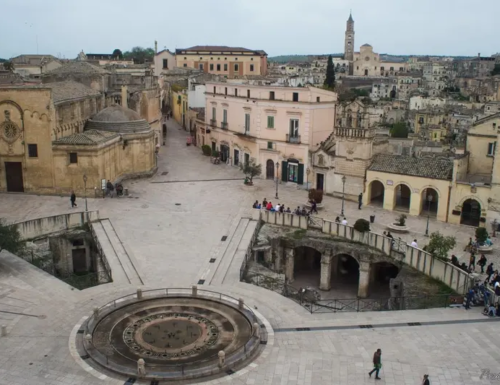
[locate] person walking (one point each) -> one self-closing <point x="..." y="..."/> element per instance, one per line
<point x="377" y="364"/>
<point x="360" y="200"/>
<point x="314" y="207"/>
<point x="472" y="262"/>
<point x="73" y="199"/>
<point x="482" y="263"/>
<point x="426" y="381"/>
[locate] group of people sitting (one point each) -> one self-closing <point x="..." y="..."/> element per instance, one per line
<point x="280" y="208"/>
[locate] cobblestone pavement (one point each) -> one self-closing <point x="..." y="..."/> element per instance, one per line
<point x="171" y="225"/>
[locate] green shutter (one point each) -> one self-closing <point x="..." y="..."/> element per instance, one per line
<point x="300" y="176"/>
<point x="270" y="122"/>
<point x="284" y="171"/>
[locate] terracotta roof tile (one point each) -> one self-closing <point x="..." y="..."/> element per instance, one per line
<point x="407" y="165"/>
<point x="86" y="138"/>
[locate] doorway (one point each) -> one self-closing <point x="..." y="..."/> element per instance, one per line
<point x="79" y="261"/>
<point x="247" y="159"/>
<point x="320" y="181"/>
<point x="224" y="153"/>
<point x="236" y="159"/>
<point x="471" y="213"/>
<point x="14" y="176"/>
<point x="269" y="169"/>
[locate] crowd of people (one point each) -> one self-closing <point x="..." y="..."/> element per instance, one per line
<point x="282" y="208"/>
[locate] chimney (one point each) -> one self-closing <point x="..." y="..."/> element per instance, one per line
<point x="124" y="97"/>
<point x="156" y="47"/>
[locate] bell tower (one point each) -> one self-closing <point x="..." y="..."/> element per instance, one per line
<point x="349" y="39"/>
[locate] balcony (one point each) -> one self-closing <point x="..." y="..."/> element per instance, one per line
<point x="293" y="139"/>
<point x="223" y="125"/>
<point x="213" y="123"/>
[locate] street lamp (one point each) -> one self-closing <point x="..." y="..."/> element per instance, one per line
<point x="308" y="170"/>
<point x="343" y="193"/>
<point x="429" y="200"/>
<point x="277" y="178"/>
<point x="85" y="184"/>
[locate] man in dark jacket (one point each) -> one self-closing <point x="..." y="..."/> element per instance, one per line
<point x="377" y="364"/>
<point x="73" y="199"/>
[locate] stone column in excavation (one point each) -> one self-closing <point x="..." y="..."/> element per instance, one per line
<point x="325" y="282"/>
<point x="289" y="264"/>
<point x="364" y="279"/>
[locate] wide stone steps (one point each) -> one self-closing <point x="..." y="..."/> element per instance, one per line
<point x="123" y="269"/>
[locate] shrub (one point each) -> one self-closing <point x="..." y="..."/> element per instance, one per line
<point x="317" y="195"/>
<point x="362" y="225"/>
<point x="401" y="220"/>
<point x="481" y="235"/>
<point x="206" y="150"/>
<point x="215" y="153"/>
<point x="10" y="239"/>
<point x="439" y="245"/>
<point x="251" y="169"/>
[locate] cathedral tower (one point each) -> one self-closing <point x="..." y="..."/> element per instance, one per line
<point x="349" y="40"/>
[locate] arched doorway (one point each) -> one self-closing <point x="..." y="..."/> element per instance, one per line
<point x="381" y="274"/>
<point x="403" y="197"/>
<point x="306" y="267"/>
<point x="345" y="276"/>
<point x="270" y="169"/>
<point x="471" y="213"/>
<point x="430" y="202"/>
<point x="377" y="191"/>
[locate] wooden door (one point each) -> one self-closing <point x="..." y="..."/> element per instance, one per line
<point x="269" y="169"/>
<point x="14" y="176"/>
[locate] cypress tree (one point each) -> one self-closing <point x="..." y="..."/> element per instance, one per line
<point x="330" y="74"/>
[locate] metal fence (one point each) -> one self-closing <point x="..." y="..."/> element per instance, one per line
<point x="249" y="252"/>
<point x="304" y="299"/>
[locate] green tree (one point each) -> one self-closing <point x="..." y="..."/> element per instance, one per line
<point x="439" y="245"/>
<point x="8" y="66"/>
<point x="496" y="70"/>
<point x="140" y="55"/>
<point x="481" y="235"/>
<point x="10" y="239"/>
<point x="399" y="130"/>
<point x="117" y="54"/>
<point x="251" y="169"/>
<point x="330" y="74"/>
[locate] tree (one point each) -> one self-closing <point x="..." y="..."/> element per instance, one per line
<point x="330" y="74"/>
<point x="362" y="225"/>
<point x="251" y="169"/>
<point x="117" y="54"/>
<point x="496" y="70"/>
<point x="481" y="235"/>
<point x="8" y="66"/>
<point x="439" y="245"/>
<point x="10" y="239"/>
<point x="399" y="130"/>
<point x="140" y="55"/>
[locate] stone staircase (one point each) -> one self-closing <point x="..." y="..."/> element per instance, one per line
<point x="122" y="265"/>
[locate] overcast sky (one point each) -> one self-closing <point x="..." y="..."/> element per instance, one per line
<point x="65" y="27"/>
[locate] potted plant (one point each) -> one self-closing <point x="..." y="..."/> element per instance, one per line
<point x="317" y="196"/>
<point x="207" y="151"/>
<point x="399" y="226"/>
<point x="250" y="169"/>
<point x="363" y="227"/>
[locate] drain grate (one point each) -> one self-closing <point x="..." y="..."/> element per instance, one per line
<point x="177" y="204"/>
<point x="131" y="380"/>
<point x="81" y="331"/>
<point x="201" y="282"/>
<point x="366" y="326"/>
<point x="164" y="173"/>
<point x="212" y="260"/>
<point x="230" y="371"/>
<point x="263" y="342"/>
<point x="414" y="324"/>
<point x="223" y="238"/>
<point x="303" y="329"/>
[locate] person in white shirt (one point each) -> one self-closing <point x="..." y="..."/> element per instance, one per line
<point x="344" y="221"/>
<point x="277" y="208"/>
<point x="414" y="243"/>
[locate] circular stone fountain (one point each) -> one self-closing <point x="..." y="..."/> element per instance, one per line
<point x="179" y="336"/>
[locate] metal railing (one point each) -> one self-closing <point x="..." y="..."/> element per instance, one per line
<point x="293" y="139"/>
<point x="213" y="122"/>
<point x="101" y="255"/>
<point x="223" y="125"/>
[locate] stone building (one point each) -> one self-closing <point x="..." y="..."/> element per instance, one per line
<point x="230" y="62"/>
<point x="34" y="66"/>
<point x="164" y="61"/>
<point x="82" y="72"/>
<point x="45" y="149"/>
<point x="349" y="40"/>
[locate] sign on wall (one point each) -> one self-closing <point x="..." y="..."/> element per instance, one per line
<point x="390" y="183"/>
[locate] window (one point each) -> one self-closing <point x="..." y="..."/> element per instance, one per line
<point x="491" y="148"/>
<point x="236" y="67"/>
<point x="215" y="90"/>
<point x="32" y="150"/>
<point x="200" y="66"/>
<point x="248" y="93"/>
<point x="225" y="90"/>
<point x="294" y="128"/>
<point x="211" y="67"/>
<point x="236" y="58"/>
<point x="73" y="157"/>
<point x="224" y="116"/>
<point x="251" y="59"/>
<point x="270" y="122"/>
<point x="269" y="145"/>
<point x="317" y="99"/>
<point x="185" y="65"/>
<point x="235" y="92"/>
<point x="225" y="67"/>
<point x="271" y="95"/>
<point x="494" y="126"/>
<point x="218" y="67"/>
<point x="295" y="96"/>
<point x="247" y="123"/>
<point x="251" y="67"/>
<point x="165" y="63"/>
<point x="213" y="113"/>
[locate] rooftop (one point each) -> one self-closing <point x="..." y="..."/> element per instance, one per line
<point x="219" y="48"/>
<point x="77" y="67"/>
<point x="69" y="90"/>
<point x="407" y="165"/>
<point x="86" y="138"/>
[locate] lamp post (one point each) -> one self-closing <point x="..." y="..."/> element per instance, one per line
<point x="343" y="193"/>
<point x="85" y="187"/>
<point x="429" y="200"/>
<point x="277" y="178"/>
<point x="308" y="170"/>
